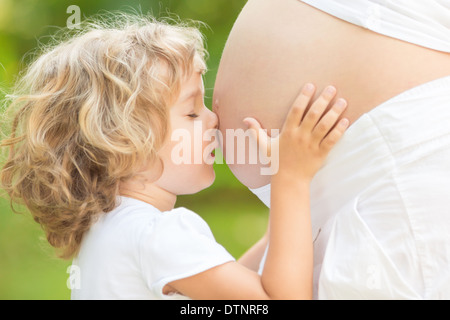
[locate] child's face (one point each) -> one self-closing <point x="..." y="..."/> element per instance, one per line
<point x="187" y="153"/>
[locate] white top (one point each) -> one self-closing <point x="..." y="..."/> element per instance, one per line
<point x="133" y="251"/>
<point x="422" y="22"/>
<point x="380" y="207"/>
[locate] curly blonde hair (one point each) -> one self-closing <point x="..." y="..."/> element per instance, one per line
<point x="88" y="113"/>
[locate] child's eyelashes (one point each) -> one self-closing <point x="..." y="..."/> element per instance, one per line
<point x="193" y="115"/>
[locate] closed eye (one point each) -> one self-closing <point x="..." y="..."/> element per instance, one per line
<point x="193" y="115"/>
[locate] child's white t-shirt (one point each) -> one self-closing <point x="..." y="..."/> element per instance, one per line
<point x="133" y="251"/>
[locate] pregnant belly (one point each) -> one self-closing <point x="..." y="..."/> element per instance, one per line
<point x="276" y="46"/>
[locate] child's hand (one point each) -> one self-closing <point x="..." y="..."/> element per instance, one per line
<point x="304" y="144"/>
<point x="306" y="137"/>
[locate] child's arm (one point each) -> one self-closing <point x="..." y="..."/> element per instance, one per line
<point x="253" y="256"/>
<point x="304" y="145"/>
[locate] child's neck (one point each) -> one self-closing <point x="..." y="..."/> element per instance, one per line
<point x="150" y="193"/>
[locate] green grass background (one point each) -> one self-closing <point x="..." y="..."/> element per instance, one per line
<point x="29" y="268"/>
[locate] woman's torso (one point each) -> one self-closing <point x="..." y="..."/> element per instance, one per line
<point x="277" y="46"/>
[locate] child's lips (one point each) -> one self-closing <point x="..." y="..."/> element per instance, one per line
<point x="213" y="152"/>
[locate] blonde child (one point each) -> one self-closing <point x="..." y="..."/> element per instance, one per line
<point x="91" y="157"/>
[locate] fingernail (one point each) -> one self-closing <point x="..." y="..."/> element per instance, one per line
<point x="330" y="90"/>
<point x="309" y="88"/>
<point x="344" y="123"/>
<point x="341" y="103"/>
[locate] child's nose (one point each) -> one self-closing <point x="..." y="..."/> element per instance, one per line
<point x="213" y="120"/>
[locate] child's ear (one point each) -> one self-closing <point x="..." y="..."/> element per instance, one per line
<point x="155" y="170"/>
<point x="150" y="172"/>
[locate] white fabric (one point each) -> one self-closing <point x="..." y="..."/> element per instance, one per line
<point x="135" y="250"/>
<point x="422" y="22"/>
<point x="380" y="205"/>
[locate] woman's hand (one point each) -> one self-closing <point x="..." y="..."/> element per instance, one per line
<point x="307" y="135"/>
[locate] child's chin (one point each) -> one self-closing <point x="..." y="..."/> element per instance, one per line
<point x="212" y="179"/>
<point x="202" y="185"/>
<point x="208" y="181"/>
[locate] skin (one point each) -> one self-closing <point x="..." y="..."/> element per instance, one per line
<point x="276" y="46"/>
<point x="303" y="147"/>
<point x="186" y="178"/>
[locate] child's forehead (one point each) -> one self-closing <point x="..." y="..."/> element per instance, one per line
<point x="193" y="83"/>
<point x="191" y="87"/>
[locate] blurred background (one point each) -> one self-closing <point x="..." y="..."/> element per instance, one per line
<point x="29" y="268"/>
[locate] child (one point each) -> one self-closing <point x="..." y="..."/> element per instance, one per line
<point x="91" y="156"/>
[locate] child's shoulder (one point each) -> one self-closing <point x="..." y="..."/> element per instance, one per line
<point x="139" y="216"/>
<point x="154" y="230"/>
<point x="135" y="222"/>
<point x="133" y="208"/>
<point x="130" y="211"/>
<point x="185" y="220"/>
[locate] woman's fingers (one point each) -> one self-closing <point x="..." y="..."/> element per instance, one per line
<point x="299" y="106"/>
